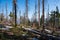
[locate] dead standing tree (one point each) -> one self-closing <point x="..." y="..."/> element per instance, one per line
<point x="20" y="14"/>
<point x="35" y="15"/>
<point x="6" y="13"/>
<point x="43" y="14"/>
<point x="39" y="12"/>
<point x="15" y="11"/>
<point x="26" y="21"/>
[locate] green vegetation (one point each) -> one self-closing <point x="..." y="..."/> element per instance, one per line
<point x="17" y="31"/>
<point x="55" y="15"/>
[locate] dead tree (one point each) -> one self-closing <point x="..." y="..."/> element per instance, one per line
<point x="26" y="21"/>
<point x="43" y="14"/>
<point x="34" y="22"/>
<point x="6" y="13"/>
<point x="20" y="14"/>
<point x="39" y="12"/>
<point x="15" y="11"/>
<point x="48" y="16"/>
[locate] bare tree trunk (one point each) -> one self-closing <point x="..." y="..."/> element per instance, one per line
<point x="20" y="15"/>
<point x="15" y="12"/>
<point x="34" y="23"/>
<point x="39" y="12"/>
<point x="26" y="22"/>
<point x="43" y="14"/>
<point x="6" y="13"/>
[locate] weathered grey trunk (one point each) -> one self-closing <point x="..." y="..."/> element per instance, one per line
<point x="39" y="12"/>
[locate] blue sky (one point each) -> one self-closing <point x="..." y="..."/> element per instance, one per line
<point x="31" y="5"/>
